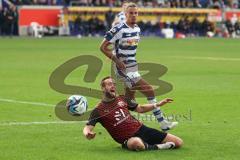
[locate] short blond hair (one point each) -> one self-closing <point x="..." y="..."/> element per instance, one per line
<point x="131" y="4"/>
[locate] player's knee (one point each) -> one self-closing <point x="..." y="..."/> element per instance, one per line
<point x="148" y="89"/>
<point x="178" y="142"/>
<point x="135" y="143"/>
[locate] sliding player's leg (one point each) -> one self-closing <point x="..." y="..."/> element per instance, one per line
<point x="162" y="140"/>
<point x="172" y="138"/>
<point x="137" y="144"/>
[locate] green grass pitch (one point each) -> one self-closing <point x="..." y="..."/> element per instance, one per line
<point x="205" y="74"/>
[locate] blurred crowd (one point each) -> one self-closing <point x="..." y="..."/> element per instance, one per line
<point x="232" y="28"/>
<point x="186" y="26"/>
<point x="93" y="26"/>
<point x="141" y="3"/>
<point x="8" y="21"/>
<point x="96" y="27"/>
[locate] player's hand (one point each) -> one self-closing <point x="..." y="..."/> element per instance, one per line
<point x="90" y="135"/>
<point x="164" y="101"/>
<point x="121" y="65"/>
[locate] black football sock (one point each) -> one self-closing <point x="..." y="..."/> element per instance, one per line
<point x="150" y="147"/>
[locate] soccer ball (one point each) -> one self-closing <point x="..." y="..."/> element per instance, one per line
<point x="77" y="105"/>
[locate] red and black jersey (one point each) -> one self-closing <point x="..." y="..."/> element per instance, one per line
<point x="116" y="118"/>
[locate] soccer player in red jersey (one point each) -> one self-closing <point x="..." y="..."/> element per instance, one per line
<point x="113" y="114"/>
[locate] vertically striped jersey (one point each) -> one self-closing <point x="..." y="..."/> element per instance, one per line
<point x="125" y="40"/>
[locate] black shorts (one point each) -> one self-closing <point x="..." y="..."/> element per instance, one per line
<point x="148" y="135"/>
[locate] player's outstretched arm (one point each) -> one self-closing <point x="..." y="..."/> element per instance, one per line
<point x="149" y="107"/>
<point x="88" y="132"/>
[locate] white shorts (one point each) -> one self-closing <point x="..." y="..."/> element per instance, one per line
<point x="129" y="77"/>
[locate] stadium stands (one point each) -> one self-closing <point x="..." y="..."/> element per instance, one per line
<point x="184" y="17"/>
<point x="141" y="3"/>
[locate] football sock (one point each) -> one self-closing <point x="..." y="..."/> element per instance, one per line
<point x="156" y="111"/>
<point x="167" y="145"/>
<point x="150" y="147"/>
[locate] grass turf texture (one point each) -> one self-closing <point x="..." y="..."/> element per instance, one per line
<point x="204" y="72"/>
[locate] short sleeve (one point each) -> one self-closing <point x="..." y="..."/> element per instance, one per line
<point x="113" y="35"/>
<point x="132" y="104"/>
<point x="94" y="118"/>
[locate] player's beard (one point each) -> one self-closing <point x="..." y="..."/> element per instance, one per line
<point x="110" y="95"/>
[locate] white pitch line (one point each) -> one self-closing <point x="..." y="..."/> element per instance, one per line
<point x="38" y="123"/>
<point x="26" y="102"/>
<point x="207" y="58"/>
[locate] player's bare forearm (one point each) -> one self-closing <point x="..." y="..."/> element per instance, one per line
<point x="144" y="108"/>
<point x="107" y="51"/>
<point x="149" y="107"/>
<point x="105" y="48"/>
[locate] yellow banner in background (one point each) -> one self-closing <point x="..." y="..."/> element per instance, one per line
<point x="145" y="14"/>
<point x="144" y="10"/>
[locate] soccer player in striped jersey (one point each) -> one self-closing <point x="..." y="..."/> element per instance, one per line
<point x="125" y="38"/>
